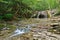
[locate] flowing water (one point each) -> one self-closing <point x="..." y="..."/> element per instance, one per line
<point x="39" y="33"/>
<point x="20" y="31"/>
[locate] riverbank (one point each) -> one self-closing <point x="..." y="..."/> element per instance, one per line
<point x="39" y="27"/>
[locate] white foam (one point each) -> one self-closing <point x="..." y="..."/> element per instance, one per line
<point x="17" y="32"/>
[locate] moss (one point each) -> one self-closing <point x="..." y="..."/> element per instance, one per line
<point x="9" y="30"/>
<point x="12" y="27"/>
<point x="1" y="26"/>
<point x="48" y="14"/>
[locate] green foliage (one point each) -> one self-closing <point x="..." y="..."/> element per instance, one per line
<point x="1" y="17"/>
<point x="8" y="16"/>
<point x="24" y="8"/>
<point x="16" y="8"/>
<point x="42" y="4"/>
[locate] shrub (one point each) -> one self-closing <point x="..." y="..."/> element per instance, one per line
<point x="1" y="17"/>
<point x="8" y="16"/>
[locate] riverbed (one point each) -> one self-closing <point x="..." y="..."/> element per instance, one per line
<point x="38" y="28"/>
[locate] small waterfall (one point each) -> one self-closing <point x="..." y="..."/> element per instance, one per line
<point x="17" y="32"/>
<point x="38" y="14"/>
<point x="20" y="31"/>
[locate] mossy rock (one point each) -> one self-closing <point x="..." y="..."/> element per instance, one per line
<point x="2" y="26"/>
<point x="7" y="31"/>
<point x="49" y="14"/>
<point x="8" y="26"/>
<point x="12" y="27"/>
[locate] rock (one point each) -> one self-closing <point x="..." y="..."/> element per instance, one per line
<point x="27" y="36"/>
<point x="54" y="24"/>
<point x="5" y="28"/>
<point x="1" y="34"/>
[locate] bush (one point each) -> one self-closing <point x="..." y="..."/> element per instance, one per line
<point x="1" y="17"/>
<point x="8" y="16"/>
